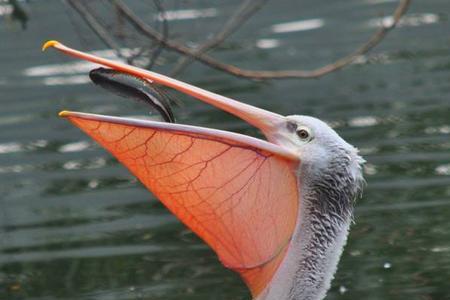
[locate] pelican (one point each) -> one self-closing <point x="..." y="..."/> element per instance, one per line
<point x="275" y="211"/>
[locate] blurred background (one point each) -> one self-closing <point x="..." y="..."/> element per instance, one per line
<point x="74" y="224"/>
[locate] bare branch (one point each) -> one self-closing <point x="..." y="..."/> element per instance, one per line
<point x="374" y="40"/>
<point x="241" y="15"/>
<point x="194" y="54"/>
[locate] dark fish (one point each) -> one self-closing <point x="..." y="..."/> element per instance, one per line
<point x="133" y="87"/>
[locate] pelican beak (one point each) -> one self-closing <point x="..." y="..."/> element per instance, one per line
<point x="268" y="122"/>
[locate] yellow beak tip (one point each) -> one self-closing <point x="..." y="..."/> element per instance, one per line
<point x="64" y="114"/>
<point x="47" y="44"/>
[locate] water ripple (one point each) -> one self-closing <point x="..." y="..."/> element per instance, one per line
<point x="75" y="146"/>
<point x="410" y="20"/>
<point x="295" y="26"/>
<point x="187" y="14"/>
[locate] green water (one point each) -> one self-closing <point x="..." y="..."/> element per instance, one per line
<point x="74" y="224"/>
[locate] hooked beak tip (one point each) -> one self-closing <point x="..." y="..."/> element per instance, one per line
<point x="51" y="43"/>
<point x="64" y="114"/>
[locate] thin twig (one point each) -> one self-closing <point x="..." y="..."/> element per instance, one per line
<point x="240" y="16"/>
<point x="165" y="29"/>
<point x="96" y="27"/>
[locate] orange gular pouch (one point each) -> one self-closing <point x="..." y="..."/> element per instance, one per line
<point x="240" y="199"/>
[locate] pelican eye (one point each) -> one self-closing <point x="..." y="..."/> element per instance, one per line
<point x="304" y="134"/>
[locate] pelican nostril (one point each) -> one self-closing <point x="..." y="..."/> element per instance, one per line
<point x="291" y="126"/>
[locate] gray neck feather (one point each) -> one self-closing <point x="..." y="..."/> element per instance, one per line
<point x="325" y="214"/>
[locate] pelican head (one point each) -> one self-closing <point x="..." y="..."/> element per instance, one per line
<point x="317" y="144"/>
